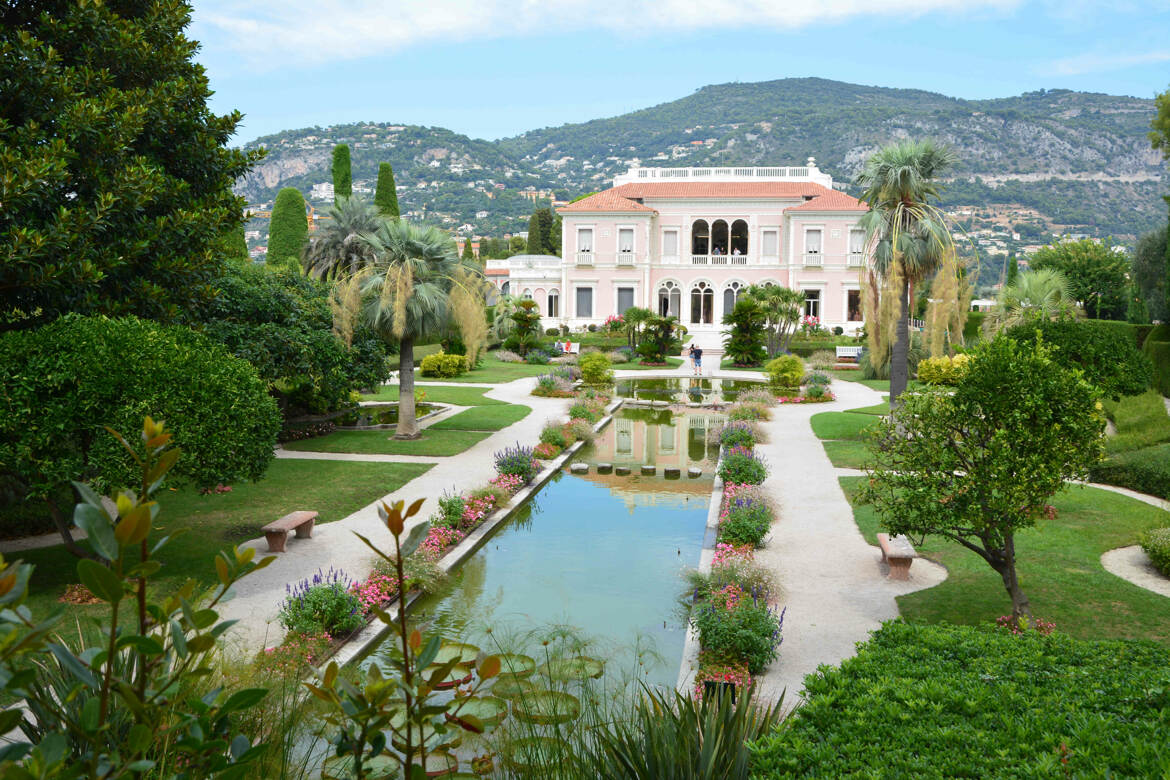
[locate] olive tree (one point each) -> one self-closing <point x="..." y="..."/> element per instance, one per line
<point x="977" y="466"/>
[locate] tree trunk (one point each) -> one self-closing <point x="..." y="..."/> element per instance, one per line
<point x="899" y="366"/>
<point x="63" y="528"/>
<point x="1021" y="607"/>
<point x="407" y="419"/>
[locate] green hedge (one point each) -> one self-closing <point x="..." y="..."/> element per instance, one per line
<point x="1105" y="350"/>
<point x="1159" y="354"/>
<point x="973" y="328"/>
<point x="1146" y="470"/>
<point x="950" y="701"/>
<point x="1156" y="543"/>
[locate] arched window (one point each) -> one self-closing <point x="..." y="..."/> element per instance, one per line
<point x="719" y="238"/>
<point x="702" y="304"/>
<point x="731" y="296"/>
<point x="739" y="237"/>
<point x="700" y="238"/>
<point x="669" y="300"/>
<point x="505" y="287"/>
<point x="554" y="303"/>
<point x="527" y="294"/>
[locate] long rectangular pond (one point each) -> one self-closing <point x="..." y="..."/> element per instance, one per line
<point x="593" y="556"/>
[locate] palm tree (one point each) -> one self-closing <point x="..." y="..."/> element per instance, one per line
<point x="405" y="295"/>
<point x="337" y="247"/>
<point x="1044" y="294"/>
<point x="905" y="229"/>
<point x="782" y="308"/>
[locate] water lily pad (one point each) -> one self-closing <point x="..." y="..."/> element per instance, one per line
<point x="547" y="707"/>
<point x="456" y="650"/>
<point x="441" y="765"/>
<point x="510" y="688"/>
<point x="456" y="677"/>
<point x="530" y="754"/>
<point x="490" y="710"/>
<point x="576" y="668"/>
<point x="516" y="665"/>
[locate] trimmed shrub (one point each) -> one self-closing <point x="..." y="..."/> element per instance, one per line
<point x="785" y="371"/>
<point x="443" y="365"/>
<point x="944" y="370"/>
<point x="63" y="382"/>
<point x="742" y="466"/>
<point x="595" y="369"/>
<point x="517" y="461"/>
<point x="552" y="332"/>
<point x="983" y="703"/>
<point x="1107" y="354"/>
<point x="1146" y="470"/>
<point x="1156" y="543"/>
<point x="1159" y="354"/>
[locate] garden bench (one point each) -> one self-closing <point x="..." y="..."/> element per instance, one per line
<point x="898" y="553"/>
<point x="849" y="353"/>
<point x="569" y="347"/>
<point x="276" y="532"/>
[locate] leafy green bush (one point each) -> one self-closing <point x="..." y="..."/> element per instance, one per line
<point x="944" y="370"/>
<point x="746" y="524"/>
<point x="733" y="623"/>
<point x="537" y="357"/>
<point x="1156" y="543"/>
<point x="441" y="364"/>
<point x="1146" y="470"/>
<point x="584" y="411"/>
<point x="744" y="343"/>
<point x="742" y="466"/>
<point x="554" y="433"/>
<point x="1107" y="354"/>
<point x="1159" y="354"/>
<point x="785" y="371"/>
<point x="324" y="603"/>
<point x="737" y="434"/>
<point x="64" y="381"/>
<point x="595" y="369"/>
<point x="973" y="327"/>
<point x="951" y="701"/>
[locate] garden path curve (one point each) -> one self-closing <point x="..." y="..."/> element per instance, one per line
<point x="258" y="597"/>
<point x="1133" y="565"/>
<point x="832" y="582"/>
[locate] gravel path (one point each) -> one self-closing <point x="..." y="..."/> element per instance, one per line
<point x="1133" y="565"/>
<point x="258" y="596"/>
<point x="833" y="584"/>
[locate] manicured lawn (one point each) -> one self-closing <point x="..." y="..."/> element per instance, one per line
<point x="1141" y="421"/>
<point x="882" y="385"/>
<point x="842" y="425"/>
<point x="848" y="454"/>
<point x="1060" y="571"/>
<point x="432" y="443"/>
<point x="881" y="410"/>
<point x="493" y="371"/>
<point x="459" y="396"/>
<point x="483" y="418"/>
<point x="215" y="522"/>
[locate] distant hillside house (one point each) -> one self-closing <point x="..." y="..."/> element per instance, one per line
<point x="687" y="241"/>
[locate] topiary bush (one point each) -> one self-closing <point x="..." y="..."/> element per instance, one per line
<point x="1158" y="351"/>
<point x="785" y="371"/>
<point x="1107" y="354"/>
<point x="63" y="382"/>
<point x="595" y="369"/>
<point x="959" y="701"/>
<point x="1156" y="544"/>
<point x="440" y="364"/>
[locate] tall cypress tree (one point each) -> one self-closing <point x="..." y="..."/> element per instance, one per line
<point x="468" y="252"/>
<point x="386" y="193"/>
<point x="552" y="244"/>
<point x="342" y="175"/>
<point x="288" y="230"/>
<point x="1013" y="269"/>
<point x="117" y="177"/>
<point x="536" y="235"/>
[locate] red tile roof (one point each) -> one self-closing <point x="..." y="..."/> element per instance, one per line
<point x="496" y="272"/>
<point x="625" y="197"/>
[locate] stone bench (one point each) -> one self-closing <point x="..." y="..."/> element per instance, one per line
<point x="276" y="532"/>
<point x="898" y="553"/>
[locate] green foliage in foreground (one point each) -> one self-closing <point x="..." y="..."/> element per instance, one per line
<point x="949" y="701"/>
<point x="1106" y="351"/>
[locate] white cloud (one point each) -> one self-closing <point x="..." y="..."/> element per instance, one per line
<point x="1094" y="62"/>
<point x="315" y="31"/>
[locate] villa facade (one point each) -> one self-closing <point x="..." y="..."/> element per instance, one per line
<point x="687" y="241"/>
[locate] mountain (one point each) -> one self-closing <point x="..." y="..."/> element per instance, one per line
<point x="1057" y="160"/>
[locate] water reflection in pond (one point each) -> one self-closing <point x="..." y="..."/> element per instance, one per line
<point x="679" y="390"/>
<point x="374" y="415"/>
<point x="657" y="437"/>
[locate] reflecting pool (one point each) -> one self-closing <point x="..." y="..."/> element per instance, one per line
<point x="681" y="390"/>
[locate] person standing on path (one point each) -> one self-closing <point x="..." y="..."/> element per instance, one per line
<point x="697" y="360"/>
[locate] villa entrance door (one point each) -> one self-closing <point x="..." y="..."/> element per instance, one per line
<point x="702" y="305"/>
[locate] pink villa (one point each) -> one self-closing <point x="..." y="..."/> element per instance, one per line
<point x="686" y="241"/>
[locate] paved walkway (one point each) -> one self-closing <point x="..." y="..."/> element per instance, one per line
<point x="258" y="596"/>
<point x="1133" y="565"/>
<point x="832" y="582"/>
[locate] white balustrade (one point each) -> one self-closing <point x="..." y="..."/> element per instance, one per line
<point x="625" y="258"/>
<point x="584" y="258"/>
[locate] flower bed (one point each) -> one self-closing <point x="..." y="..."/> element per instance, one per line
<point x="745" y="515"/>
<point x="806" y="399"/>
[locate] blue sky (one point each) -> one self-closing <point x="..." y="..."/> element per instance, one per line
<point x="494" y="68"/>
